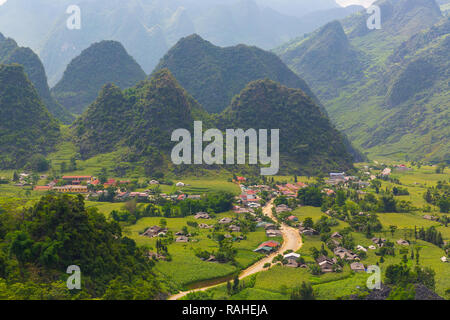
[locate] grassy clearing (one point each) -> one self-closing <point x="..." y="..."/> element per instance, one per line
<point x="186" y="268"/>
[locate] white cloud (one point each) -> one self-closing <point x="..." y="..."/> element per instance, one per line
<point x="365" y="3"/>
<point x="2" y="2"/>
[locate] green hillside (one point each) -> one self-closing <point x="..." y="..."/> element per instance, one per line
<point x="308" y="142"/>
<point x="26" y="127"/>
<point x="213" y="75"/>
<point x="141" y="119"/>
<point x="389" y="92"/>
<point x="139" y="122"/>
<point x="326" y="60"/>
<point x="10" y="52"/>
<point x="101" y="63"/>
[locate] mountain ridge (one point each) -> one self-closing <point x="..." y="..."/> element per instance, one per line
<point x="214" y="75"/>
<point x="103" y="62"/>
<point x="10" y="53"/>
<point x="27" y="129"/>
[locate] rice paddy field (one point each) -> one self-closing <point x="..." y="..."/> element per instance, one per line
<point x="185" y="268"/>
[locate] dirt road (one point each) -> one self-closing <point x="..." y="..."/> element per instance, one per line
<point x="291" y="241"/>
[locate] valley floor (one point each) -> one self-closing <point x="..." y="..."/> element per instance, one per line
<point x="186" y="271"/>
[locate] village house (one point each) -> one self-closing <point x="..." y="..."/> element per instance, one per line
<point x="243" y="210"/>
<point x="357" y="267"/>
<point x="42" y="188"/>
<point x="270" y="226"/>
<point x="182" y="239"/>
<point x="267" y="247"/>
<point x="234" y="228"/>
<point x="282" y="208"/>
<point x="292" y="260"/>
<point x="110" y="183"/>
<point x="154" y="231"/>
<point x="202" y="215"/>
<point x="402" y="167"/>
<point x="444" y="259"/>
<point x="402" y="242"/>
<point x="76" y="180"/>
<point x="345" y="254"/>
<point x="307" y="231"/>
<point x="361" y="248"/>
<point x="205" y="226"/>
<point x="72" y="189"/>
<point x="336" y="235"/>
<point x="155" y="256"/>
<point x="273" y="233"/>
<point x="211" y="259"/>
<point x="328" y="192"/>
<point x="378" y="241"/>
<point x="336" y="178"/>
<point x="292" y="218"/>
<point x="138" y="195"/>
<point x="225" y="220"/>
<point x="326" y="264"/>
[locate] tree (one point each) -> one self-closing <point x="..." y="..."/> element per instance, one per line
<point x="310" y="196"/>
<point x="308" y="223"/>
<point x="236" y="284"/>
<point x="403" y="293"/>
<point x="73" y="164"/>
<point x="425" y="276"/>
<point x="38" y="163"/>
<point x="303" y="292"/>
<point x="63" y="167"/>
<point x="340" y="198"/>
<point x="444" y="204"/>
<point x="441" y="168"/>
<point x="20" y="246"/>
<point x="392" y="228"/>
<point x="387" y="204"/>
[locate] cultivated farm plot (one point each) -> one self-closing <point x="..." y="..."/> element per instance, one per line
<point x="185" y="268"/>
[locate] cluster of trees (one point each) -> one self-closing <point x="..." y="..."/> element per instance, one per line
<point x="347" y="205"/>
<point x="439" y="196"/>
<point x="303" y="292"/>
<point x="226" y="252"/>
<point x="212" y="203"/>
<point x="39" y="243"/>
<point x="28" y="131"/>
<point x="131" y="213"/>
<point x="401" y="275"/>
<point x="430" y="235"/>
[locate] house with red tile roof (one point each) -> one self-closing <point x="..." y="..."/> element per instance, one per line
<point x="42" y="188"/>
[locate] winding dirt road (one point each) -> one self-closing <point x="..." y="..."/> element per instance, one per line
<point x="291" y="241"/>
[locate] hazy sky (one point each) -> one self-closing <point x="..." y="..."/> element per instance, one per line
<point x="364" y="3"/>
